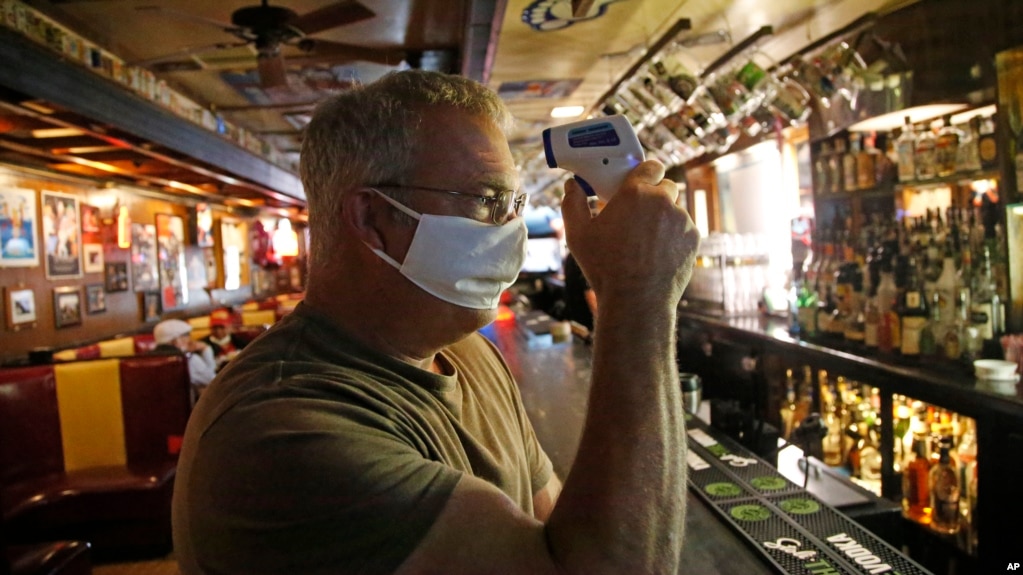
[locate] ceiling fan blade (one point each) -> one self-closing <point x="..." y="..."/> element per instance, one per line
<point x="186" y="16"/>
<point x="185" y="52"/>
<point x="324" y="50"/>
<point x="272" y="71"/>
<point x="338" y="14"/>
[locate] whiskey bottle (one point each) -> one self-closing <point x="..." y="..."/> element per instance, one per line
<point x="946" y="148"/>
<point x="916" y="499"/>
<point x="821" y="171"/>
<point x="944" y="490"/>
<point x="924" y="158"/>
<point x="866" y="163"/>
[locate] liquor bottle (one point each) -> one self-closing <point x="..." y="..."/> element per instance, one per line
<point x="821" y="171"/>
<point x="788" y="407"/>
<point x="968" y="157"/>
<point x="834" y="437"/>
<point x="986" y="305"/>
<point x="924" y="158"/>
<point x="946" y="148"/>
<point x="947" y="288"/>
<point x="943" y="484"/>
<point x="866" y="163"/>
<point x="905" y="149"/>
<point x="835" y="179"/>
<point x="931" y="332"/>
<point x="872" y="325"/>
<point x="916" y="499"/>
<point x="987" y="144"/>
<point x="804" y="398"/>
<point x="966" y="452"/>
<point x="913" y="312"/>
<point x="806" y="310"/>
<point x="954" y="333"/>
<point x="849" y="170"/>
<point x="889" y="334"/>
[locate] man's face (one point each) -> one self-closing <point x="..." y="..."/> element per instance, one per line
<point x="219" y="331"/>
<point x="463" y="153"/>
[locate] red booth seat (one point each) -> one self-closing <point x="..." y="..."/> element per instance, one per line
<point x="88" y="451"/>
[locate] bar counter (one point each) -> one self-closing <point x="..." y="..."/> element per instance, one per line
<point x="554" y="381"/>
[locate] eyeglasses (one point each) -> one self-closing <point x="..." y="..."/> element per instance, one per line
<point x="503" y="205"/>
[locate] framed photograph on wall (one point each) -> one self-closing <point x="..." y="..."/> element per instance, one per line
<point x="67" y="306"/>
<point x="173" y="270"/>
<point x="19" y="308"/>
<point x="18" y="246"/>
<point x="92" y="254"/>
<point x="144" y="276"/>
<point x="116" y="276"/>
<point x="62" y="237"/>
<point x="95" y="299"/>
<point x="150" y="302"/>
<point x="203" y="225"/>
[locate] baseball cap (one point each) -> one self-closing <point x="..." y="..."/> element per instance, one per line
<point x="170" y="329"/>
<point x="220" y="317"/>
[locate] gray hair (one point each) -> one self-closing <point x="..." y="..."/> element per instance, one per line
<point x="368" y="134"/>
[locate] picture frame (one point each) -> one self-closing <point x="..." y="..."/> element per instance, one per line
<point x="18" y="228"/>
<point x="115" y="275"/>
<point x="19" y="308"/>
<point x="171" y="263"/>
<point x="67" y="306"/>
<point x="95" y="299"/>
<point x="150" y="305"/>
<point x="62" y="236"/>
<point x="144" y="274"/>
<point x="203" y="225"/>
<point x="92" y="256"/>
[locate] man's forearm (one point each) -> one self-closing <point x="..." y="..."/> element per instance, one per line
<point x="622" y="509"/>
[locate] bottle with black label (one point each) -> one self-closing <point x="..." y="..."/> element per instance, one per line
<point x="987" y="144"/>
<point x="913" y="311"/>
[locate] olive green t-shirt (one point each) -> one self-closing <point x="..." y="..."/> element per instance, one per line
<point x="311" y="453"/>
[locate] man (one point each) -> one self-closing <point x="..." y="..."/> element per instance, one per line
<point x="372" y="430"/>
<point x="175" y="336"/>
<point x="222" y="340"/>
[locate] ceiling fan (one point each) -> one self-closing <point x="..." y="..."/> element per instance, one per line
<point x="268" y="28"/>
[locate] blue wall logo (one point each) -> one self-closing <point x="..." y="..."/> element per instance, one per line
<point x="547" y="15"/>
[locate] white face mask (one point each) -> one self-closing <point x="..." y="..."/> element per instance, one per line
<point x="460" y="260"/>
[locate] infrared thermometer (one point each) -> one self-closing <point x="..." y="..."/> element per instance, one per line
<point x="598" y="151"/>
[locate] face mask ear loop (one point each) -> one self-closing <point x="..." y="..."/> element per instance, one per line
<point x="398" y="205"/>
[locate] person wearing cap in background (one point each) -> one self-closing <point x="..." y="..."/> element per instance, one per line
<point x="222" y="339"/>
<point x="175" y="336"/>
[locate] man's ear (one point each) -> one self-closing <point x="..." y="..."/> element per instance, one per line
<point x="363" y="215"/>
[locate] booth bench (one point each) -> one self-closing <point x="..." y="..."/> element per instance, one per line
<point x="88" y="451"/>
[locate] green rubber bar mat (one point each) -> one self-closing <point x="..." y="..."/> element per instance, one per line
<point x="761" y="476"/>
<point x="794" y="530"/>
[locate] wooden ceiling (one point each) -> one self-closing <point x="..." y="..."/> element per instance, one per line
<point x="506" y="43"/>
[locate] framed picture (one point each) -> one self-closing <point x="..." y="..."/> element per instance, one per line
<point x="62" y="237"/>
<point x="209" y="257"/>
<point x="115" y="275"/>
<point x="173" y="271"/>
<point x="92" y="225"/>
<point x="93" y="256"/>
<point x="95" y="299"/>
<point x="203" y="225"/>
<point x="19" y="308"/>
<point x="67" y="306"/>
<point x="150" y="301"/>
<point x="18" y="228"/>
<point x="144" y="276"/>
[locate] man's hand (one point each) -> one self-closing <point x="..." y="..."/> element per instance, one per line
<point x="642" y="242"/>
